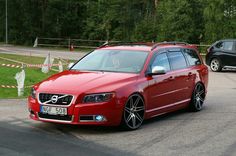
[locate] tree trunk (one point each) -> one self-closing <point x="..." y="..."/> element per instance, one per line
<point x="44" y="7"/>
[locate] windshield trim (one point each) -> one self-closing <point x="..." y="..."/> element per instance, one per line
<point x="105" y="71"/>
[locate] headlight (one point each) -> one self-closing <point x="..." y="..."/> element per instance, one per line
<point x="33" y="93"/>
<point x="95" y="98"/>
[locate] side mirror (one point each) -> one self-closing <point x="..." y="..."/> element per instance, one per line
<point x="70" y="65"/>
<point x="158" y="70"/>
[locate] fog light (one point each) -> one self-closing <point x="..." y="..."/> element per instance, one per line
<point x="100" y="118"/>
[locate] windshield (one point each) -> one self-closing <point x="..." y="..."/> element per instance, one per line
<point x="112" y="61"/>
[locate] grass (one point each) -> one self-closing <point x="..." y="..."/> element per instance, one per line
<point x="33" y="75"/>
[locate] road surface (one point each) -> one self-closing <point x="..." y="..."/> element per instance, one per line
<point x="211" y="132"/>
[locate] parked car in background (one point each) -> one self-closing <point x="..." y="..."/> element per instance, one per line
<point x="222" y="54"/>
<point x="123" y="85"/>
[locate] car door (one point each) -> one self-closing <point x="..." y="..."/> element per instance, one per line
<point x="234" y="55"/>
<point x="181" y="76"/>
<point x="193" y="62"/>
<point x="161" y="87"/>
<point x="229" y="55"/>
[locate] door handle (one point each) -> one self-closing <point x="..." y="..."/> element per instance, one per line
<point x="171" y="78"/>
<point x="190" y="74"/>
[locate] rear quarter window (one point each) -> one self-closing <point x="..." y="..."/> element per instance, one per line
<point x="228" y="45"/>
<point x="192" y="57"/>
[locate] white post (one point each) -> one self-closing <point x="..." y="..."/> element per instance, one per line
<point x="49" y="60"/>
<point x="35" y="42"/>
<point x="20" y="78"/>
<point x="60" y="66"/>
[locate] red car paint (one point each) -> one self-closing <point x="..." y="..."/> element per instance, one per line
<point x="172" y="90"/>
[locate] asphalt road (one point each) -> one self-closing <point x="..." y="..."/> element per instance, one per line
<point x="211" y="132"/>
<point x="41" y="52"/>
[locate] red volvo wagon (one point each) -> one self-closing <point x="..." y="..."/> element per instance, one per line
<point x="123" y="85"/>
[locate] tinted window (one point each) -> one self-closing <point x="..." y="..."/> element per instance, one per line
<point x="228" y="45"/>
<point x="192" y="57"/>
<point x="162" y="60"/>
<point x="177" y="60"/>
<point x="219" y="45"/>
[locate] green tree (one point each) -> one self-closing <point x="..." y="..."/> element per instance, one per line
<point x="193" y="21"/>
<point x="220" y="20"/>
<point x="179" y="20"/>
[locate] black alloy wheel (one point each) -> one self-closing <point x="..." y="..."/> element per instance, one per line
<point x="198" y="97"/>
<point x="133" y="112"/>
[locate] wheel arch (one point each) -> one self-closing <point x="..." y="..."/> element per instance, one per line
<point x="216" y="57"/>
<point x="142" y="96"/>
<point x="192" y="105"/>
<point x="203" y="84"/>
<point x="123" y="122"/>
<point x="220" y="64"/>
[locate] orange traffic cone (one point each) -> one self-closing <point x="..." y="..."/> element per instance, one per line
<point x="71" y="47"/>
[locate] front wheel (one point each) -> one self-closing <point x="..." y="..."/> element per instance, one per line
<point x="198" y="97"/>
<point x="133" y="115"/>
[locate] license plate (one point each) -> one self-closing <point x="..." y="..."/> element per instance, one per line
<point x="53" y="110"/>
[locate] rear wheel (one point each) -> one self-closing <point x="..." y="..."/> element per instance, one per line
<point x="215" y="65"/>
<point x="198" y="97"/>
<point x="133" y="115"/>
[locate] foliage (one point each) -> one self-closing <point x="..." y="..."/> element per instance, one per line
<point x="220" y="19"/>
<point x="193" y="21"/>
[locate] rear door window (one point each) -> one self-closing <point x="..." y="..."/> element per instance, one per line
<point x="192" y="57"/>
<point x="177" y="60"/>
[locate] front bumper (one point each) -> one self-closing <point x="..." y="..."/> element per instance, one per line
<point x="81" y="114"/>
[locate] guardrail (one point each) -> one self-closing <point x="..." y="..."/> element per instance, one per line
<point x="85" y="43"/>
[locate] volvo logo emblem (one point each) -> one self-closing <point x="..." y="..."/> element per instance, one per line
<point x="54" y="98"/>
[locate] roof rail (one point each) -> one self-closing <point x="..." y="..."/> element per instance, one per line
<point x="169" y="43"/>
<point x="117" y="43"/>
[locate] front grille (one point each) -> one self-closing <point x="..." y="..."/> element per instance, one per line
<point x="55" y="117"/>
<point x="59" y="99"/>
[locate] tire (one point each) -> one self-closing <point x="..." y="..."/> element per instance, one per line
<point x="215" y="65"/>
<point x="198" y="97"/>
<point x="133" y="114"/>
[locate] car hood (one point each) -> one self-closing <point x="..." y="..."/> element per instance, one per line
<point x="76" y="82"/>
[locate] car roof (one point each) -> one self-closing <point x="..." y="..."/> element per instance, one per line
<point x="228" y="40"/>
<point x="175" y="46"/>
<point x="128" y="47"/>
<point x="148" y="47"/>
